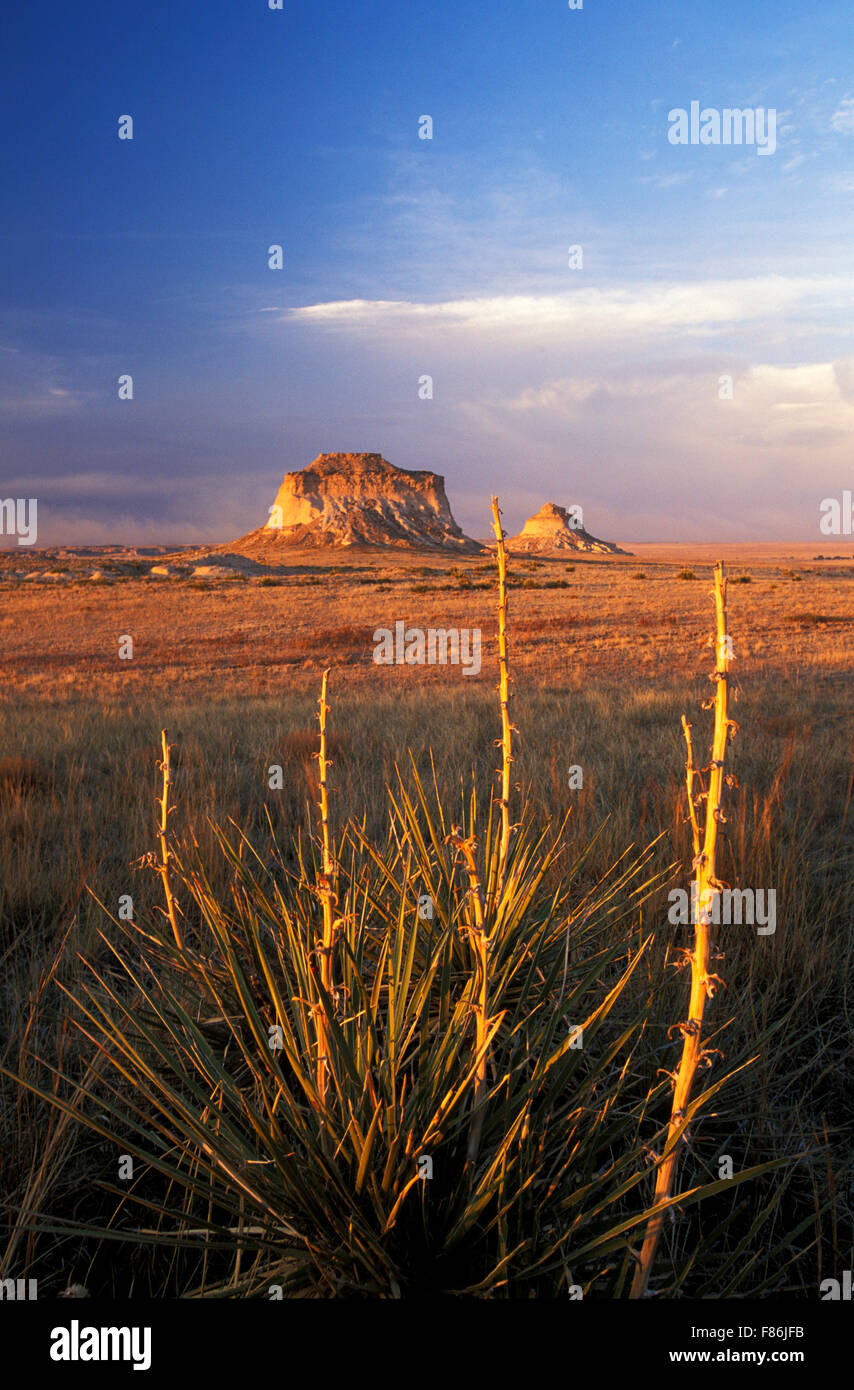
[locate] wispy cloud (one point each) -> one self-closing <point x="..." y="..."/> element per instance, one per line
<point x="842" y="119"/>
<point x="692" y="308"/>
<point x="665" y="181"/>
<point x="43" y="404"/>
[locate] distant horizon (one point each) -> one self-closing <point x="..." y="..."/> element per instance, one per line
<point x="168" y="546"/>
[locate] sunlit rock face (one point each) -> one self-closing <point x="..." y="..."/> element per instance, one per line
<point x="362" y="499"/>
<point x="556" y="528"/>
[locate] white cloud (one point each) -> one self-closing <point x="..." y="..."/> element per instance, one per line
<point x="825" y="385"/>
<point x="557" y="394"/>
<point x="843" y="371"/>
<point x="690" y="308"/>
<point x="639" y="448"/>
<point x="44" y="404"/>
<point x="665" y="180"/>
<point x="842" y="119"/>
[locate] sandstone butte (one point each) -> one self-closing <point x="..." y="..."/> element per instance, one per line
<point x="358" y="499"/>
<point x="552" y="528"/>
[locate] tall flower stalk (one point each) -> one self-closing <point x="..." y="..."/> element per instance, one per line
<point x="707" y="885"/>
<point x="326" y="893"/>
<point x="504" y="697"/>
<point x="165" y="855"/>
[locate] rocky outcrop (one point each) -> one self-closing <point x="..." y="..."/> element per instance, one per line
<point x="361" y="499"/>
<point x="555" y="528"/>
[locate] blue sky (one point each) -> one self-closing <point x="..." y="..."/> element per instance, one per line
<point x="403" y="257"/>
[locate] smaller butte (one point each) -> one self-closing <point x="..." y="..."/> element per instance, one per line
<point x="554" y="528"/>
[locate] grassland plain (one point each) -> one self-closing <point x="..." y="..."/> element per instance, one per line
<point x="607" y="654"/>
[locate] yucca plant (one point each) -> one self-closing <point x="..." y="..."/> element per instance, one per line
<point x="404" y="1067"/>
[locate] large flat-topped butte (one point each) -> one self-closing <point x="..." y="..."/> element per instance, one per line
<point x="361" y="499"/>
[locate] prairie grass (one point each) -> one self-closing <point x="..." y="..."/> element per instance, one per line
<point x="85" y="811"/>
<point x="78" y="788"/>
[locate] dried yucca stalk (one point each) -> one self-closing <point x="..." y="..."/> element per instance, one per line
<point x="504" y="695"/>
<point x="326" y="893"/>
<point x="703" y="983"/>
<point x="163" y="866"/>
<point x="478" y="928"/>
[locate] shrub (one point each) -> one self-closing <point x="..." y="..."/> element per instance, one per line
<point x="812" y="619"/>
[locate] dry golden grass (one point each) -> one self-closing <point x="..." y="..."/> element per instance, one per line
<point x="244" y="635"/>
<point x="602" y="671"/>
